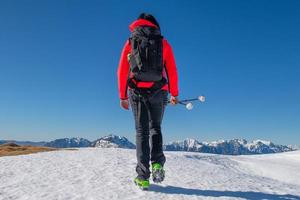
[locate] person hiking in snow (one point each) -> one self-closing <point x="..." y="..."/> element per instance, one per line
<point x="146" y="72"/>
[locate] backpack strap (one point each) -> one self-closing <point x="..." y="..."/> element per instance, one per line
<point x="129" y="40"/>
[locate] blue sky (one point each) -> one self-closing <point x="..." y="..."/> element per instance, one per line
<point x="58" y="63"/>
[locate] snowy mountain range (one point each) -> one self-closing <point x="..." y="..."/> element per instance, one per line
<point x="109" y="141"/>
<point x="228" y="147"/>
<point x="68" y="142"/>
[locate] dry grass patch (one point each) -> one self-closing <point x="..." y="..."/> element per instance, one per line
<point x="12" y="149"/>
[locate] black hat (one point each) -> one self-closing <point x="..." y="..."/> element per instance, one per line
<point x="149" y="18"/>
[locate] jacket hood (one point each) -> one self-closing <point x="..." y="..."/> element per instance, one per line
<point x="140" y="22"/>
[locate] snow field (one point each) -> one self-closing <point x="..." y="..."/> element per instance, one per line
<point x="107" y="173"/>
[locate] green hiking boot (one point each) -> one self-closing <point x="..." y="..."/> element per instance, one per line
<point x="142" y="183"/>
<point x="158" y="173"/>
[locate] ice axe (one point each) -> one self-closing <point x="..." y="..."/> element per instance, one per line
<point x="188" y="102"/>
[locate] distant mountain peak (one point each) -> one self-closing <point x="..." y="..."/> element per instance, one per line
<point x="113" y="141"/>
<point x="266" y="142"/>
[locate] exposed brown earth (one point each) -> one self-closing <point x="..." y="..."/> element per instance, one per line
<point x="12" y="149"/>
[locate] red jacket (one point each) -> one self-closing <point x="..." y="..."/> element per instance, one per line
<point x="170" y="71"/>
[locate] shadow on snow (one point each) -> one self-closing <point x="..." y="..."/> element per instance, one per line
<point x="214" y="193"/>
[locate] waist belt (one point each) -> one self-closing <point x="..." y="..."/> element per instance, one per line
<point x="157" y="85"/>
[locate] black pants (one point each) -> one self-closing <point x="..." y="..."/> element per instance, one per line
<point x="148" y="114"/>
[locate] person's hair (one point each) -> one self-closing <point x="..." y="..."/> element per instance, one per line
<point x="149" y="18"/>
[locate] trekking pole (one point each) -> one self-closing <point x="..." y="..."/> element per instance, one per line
<point x="200" y="98"/>
<point x="188" y="102"/>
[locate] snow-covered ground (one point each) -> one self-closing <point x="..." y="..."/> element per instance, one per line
<point x="99" y="173"/>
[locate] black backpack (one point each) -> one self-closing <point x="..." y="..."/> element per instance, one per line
<point x="146" y="58"/>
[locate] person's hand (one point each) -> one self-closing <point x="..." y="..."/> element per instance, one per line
<point x="173" y="100"/>
<point x="124" y="104"/>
